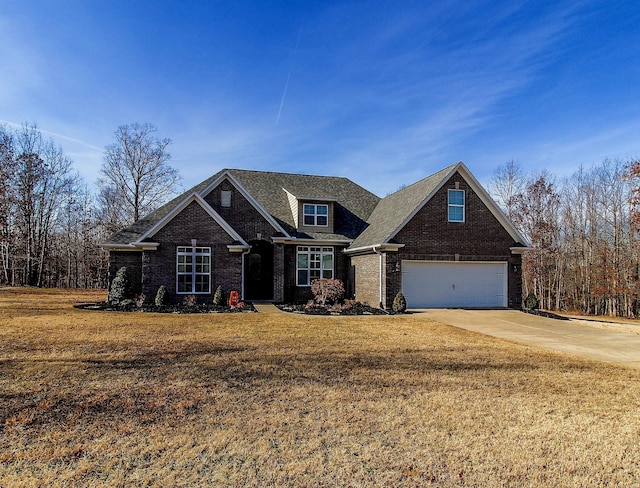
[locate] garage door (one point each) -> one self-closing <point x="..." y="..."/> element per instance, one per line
<point x="438" y="284"/>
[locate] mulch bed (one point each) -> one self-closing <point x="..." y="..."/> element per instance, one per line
<point x="356" y="309"/>
<point x="544" y="313"/>
<point x="175" y="308"/>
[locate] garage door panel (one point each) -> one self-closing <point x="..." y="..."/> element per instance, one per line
<point x="437" y="284"/>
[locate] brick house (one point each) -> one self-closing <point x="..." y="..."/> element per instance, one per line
<point x="442" y="241"/>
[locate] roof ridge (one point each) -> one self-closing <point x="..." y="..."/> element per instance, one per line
<point x="285" y="173"/>
<point x="444" y="170"/>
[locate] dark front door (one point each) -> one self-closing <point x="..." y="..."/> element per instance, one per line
<point x="258" y="269"/>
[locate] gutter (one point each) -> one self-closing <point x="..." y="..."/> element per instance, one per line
<point x="384" y="246"/>
<point x="132" y="246"/>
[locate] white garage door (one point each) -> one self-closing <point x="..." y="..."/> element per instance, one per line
<point x="438" y="284"/>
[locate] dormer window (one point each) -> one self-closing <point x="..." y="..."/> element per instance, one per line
<point x="316" y="214"/>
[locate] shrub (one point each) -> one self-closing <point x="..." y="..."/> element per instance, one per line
<point x="139" y="300"/>
<point x="218" y="297"/>
<point x="531" y="302"/>
<point x="399" y="303"/>
<point x="120" y="289"/>
<point x="327" y="291"/>
<point x="315" y="309"/>
<point x="162" y="296"/>
<point x="190" y="301"/>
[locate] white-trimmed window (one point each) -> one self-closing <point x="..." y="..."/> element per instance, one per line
<point x="313" y="263"/>
<point x="193" y="270"/>
<point x="456" y="205"/>
<point x="315" y="214"/>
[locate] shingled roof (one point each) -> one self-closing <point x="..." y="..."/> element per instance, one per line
<point x="353" y="204"/>
<point x="395" y="209"/>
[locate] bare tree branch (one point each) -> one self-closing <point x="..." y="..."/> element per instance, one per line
<point x="136" y="178"/>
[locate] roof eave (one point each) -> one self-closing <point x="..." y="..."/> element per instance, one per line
<point x="132" y="246"/>
<point x="520" y="249"/>
<point x="384" y="247"/>
<point x="311" y="242"/>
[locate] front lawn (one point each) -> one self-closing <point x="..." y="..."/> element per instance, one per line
<point x="118" y="399"/>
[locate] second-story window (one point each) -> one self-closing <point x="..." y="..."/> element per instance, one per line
<point x="316" y="215"/>
<point x="456" y="206"/>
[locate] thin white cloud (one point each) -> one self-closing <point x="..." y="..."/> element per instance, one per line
<point x="469" y="82"/>
<point x="55" y="135"/>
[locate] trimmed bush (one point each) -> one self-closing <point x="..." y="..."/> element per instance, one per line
<point x="327" y="291"/>
<point x="190" y="301"/>
<point x="218" y="297"/>
<point x="139" y="300"/>
<point x="399" y="303"/>
<point x="531" y="302"/>
<point x="120" y="289"/>
<point x="162" y="296"/>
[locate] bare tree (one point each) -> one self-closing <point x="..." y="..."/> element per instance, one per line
<point x="536" y="213"/>
<point x="44" y="180"/>
<point x="136" y="178"/>
<point x="7" y="200"/>
<point x="507" y="183"/>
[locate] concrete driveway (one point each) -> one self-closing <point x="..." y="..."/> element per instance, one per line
<point x="560" y="335"/>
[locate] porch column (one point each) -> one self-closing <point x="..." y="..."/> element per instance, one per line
<point x="278" y="273"/>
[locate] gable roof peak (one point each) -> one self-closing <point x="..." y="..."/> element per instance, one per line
<point x="394" y="211"/>
<point x="437" y="175"/>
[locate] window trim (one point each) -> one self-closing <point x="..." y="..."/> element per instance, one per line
<point x="193" y="252"/>
<point x="318" y="253"/>
<point x="315" y="215"/>
<point x="456" y="205"/>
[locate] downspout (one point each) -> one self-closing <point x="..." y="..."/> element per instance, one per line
<point x="373" y="248"/>
<point x="244" y="253"/>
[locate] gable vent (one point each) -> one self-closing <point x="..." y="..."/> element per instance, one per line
<point x="225" y="198"/>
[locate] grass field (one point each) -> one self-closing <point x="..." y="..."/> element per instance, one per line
<point x="141" y="399"/>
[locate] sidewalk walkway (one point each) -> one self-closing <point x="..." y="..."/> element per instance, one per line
<point x="267" y="308"/>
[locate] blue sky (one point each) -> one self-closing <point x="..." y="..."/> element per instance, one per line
<point x="382" y="92"/>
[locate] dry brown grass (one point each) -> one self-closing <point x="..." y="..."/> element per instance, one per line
<point x="117" y="399"/>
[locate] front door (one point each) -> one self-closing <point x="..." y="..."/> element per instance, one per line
<point x="258" y="269"/>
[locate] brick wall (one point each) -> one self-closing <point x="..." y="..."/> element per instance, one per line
<point x="132" y="261"/>
<point x="159" y="266"/>
<point x="241" y="216"/>
<point x="278" y="273"/>
<point x="367" y="278"/>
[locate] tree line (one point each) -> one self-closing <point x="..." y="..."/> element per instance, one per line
<point x="51" y="223"/>
<point x="583" y="232"/>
